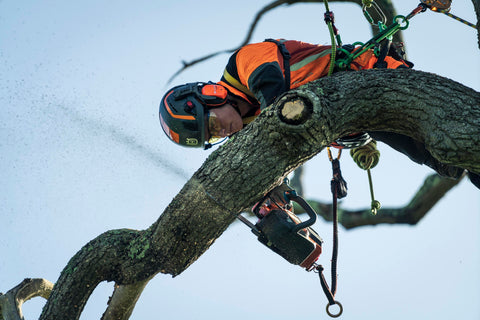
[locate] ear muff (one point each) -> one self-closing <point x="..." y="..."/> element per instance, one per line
<point x="214" y="95"/>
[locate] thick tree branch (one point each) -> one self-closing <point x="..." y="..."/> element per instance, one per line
<point x="387" y="100"/>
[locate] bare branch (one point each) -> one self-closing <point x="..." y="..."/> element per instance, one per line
<point x="123" y="300"/>
<point x="11" y="302"/>
<point x="385" y="5"/>
<point x="432" y="191"/>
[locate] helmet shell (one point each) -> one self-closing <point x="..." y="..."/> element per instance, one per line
<point x="182" y="115"/>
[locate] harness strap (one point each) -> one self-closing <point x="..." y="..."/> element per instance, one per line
<point x="286" y="60"/>
<point x="384" y="48"/>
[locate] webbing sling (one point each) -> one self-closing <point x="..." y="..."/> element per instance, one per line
<point x="286" y="60"/>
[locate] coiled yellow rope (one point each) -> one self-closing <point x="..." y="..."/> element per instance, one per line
<point x="367" y="157"/>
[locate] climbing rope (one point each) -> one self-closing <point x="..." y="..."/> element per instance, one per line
<point x="367" y="157"/>
<point x="444" y="7"/>
<point x="334" y="35"/>
<point x="445" y="12"/>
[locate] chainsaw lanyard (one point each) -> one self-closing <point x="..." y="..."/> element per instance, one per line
<point x="339" y="190"/>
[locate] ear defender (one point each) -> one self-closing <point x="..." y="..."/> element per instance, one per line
<point x="214" y="94"/>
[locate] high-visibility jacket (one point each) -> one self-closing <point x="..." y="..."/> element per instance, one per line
<point x="256" y="72"/>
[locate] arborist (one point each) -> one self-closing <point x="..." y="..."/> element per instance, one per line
<point x="200" y="114"/>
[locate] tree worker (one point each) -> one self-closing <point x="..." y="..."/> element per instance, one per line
<point x="200" y="114"/>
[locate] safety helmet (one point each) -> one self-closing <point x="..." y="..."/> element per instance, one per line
<point x="184" y="108"/>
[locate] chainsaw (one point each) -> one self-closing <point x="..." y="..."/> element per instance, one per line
<point x="282" y="231"/>
<point x="279" y="229"/>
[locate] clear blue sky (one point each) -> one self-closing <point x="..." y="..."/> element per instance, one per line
<point x="81" y="152"/>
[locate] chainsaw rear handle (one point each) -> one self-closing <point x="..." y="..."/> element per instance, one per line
<point x="292" y="195"/>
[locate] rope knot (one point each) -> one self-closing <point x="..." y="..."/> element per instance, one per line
<point x="367" y="156"/>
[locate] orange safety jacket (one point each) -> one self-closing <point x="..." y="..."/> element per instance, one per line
<point x="256" y="72"/>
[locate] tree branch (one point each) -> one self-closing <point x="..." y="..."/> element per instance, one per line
<point x="11" y="302"/>
<point x="123" y="300"/>
<point x="432" y="191"/>
<point x="370" y="100"/>
<point x="385" y="5"/>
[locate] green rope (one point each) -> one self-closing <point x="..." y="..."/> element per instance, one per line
<point x="334" y="49"/>
<point x="332" y="39"/>
<point x="366" y="158"/>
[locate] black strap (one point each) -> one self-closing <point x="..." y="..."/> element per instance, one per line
<point x="384" y="49"/>
<point x="286" y="60"/>
<point x="338" y="186"/>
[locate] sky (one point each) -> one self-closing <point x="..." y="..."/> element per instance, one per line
<point x="82" y="152"/>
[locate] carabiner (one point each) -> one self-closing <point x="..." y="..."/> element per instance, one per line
<point x="379" y="11"/>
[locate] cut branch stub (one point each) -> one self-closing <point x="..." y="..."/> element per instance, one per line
<point x="296" y="108"/>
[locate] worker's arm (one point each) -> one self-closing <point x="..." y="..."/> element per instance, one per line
<point x="259" y="68"/>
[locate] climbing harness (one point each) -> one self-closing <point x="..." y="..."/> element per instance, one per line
<point x="283" y="232"/>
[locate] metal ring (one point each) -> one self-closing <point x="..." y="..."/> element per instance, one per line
<point x="339" y="312"/>
<point x="402" y="22"/>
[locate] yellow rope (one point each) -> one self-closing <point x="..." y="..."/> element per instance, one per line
<point x="367" y="157"/>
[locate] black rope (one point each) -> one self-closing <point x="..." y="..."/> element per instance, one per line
<point x="339" y="190"/>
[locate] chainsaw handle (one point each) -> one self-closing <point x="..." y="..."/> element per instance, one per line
<point x="308" y="209"/>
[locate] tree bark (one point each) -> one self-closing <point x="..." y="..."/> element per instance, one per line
<point x="443" y="114"/>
